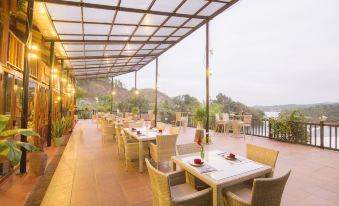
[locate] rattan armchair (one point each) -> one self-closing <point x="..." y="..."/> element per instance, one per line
<point x="120" y="141"/>
<point x="188" y="149"/>
<point x="171" y="189"/>
<point x="164" y="148"/>
<point x="265" y="192"/>
<point x="131" y="150"/>
<point x="108" y="131"/>
<point x="262" y="155"/>
<point x="174" y="130"/>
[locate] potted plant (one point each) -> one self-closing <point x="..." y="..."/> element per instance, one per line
<point x="10" y="148"/>
<point x="135" y="112"/>
<point x="67" y="124"/>
<point x="58" y="128"/>
<point x="200" y="116"/>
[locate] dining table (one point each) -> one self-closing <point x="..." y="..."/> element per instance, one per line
<point x="146" y="135"/>
<point x="220" y="172"/>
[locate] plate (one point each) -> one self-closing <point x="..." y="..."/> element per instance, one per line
<point x="196" y="165"/>
<point x="230" y="158"/>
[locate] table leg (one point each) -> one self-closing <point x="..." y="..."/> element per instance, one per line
<point x="217" y="196"/>
<point x="141" y="156"/>
<point x="174" y="166"/>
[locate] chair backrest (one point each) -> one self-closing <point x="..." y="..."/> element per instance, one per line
<point x="174" y="130"/>
<point x="247" y="119"/>
<point x="236" y="126"/>
<point x="178" y="116"/>
<point x="225" y="117"/>
<point x="108" y="130"/>
<point x="268" y="191"/>
<point x="134" y="124"/>
<point x="160" y="185"/>
<point x="262" y="155"/>
<point x="217" y="117"/>
<point x="183" y="149"/>
<point x="119" y="136"/>
<point x="160" y="126"/>
<point x="166" y="146"/>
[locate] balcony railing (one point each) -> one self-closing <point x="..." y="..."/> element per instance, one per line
<point x="323" y="135"/>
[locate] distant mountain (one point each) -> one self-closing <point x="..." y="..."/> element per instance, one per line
<point x="311" y="111"/>
<point x="279" y="108"/>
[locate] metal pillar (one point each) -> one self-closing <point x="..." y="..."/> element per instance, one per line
<point x="135" y="81"/>
<point x="61" y="86"/>
<point x="50" y="100"/>
<point x="156" y="92"/>
<point x="207" y="85"/>
<point x="112" y="90"/>
<point x="24" y="111"/>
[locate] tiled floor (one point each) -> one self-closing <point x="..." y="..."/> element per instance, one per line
<point x="16" y="188"/>
<point x="90" y="172"/>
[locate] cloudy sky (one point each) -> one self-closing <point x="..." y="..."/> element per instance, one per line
<point x="265" y="52"/>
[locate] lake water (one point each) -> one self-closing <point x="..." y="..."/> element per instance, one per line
<point x="272" y="114"/>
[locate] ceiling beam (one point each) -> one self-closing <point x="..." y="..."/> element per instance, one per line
<point x="119" y="8"/>
<point x="104" y="57"/>
<point x="108" y="41"/>
<point x="117" y="24"/>
<point x="107" y="66"/>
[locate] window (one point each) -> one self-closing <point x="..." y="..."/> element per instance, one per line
<point x="7" y="92"/>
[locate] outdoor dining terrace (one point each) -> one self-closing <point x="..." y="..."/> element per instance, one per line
<point x="90" y="171"/>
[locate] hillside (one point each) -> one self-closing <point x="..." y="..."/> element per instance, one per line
<point x="279" y="108"/>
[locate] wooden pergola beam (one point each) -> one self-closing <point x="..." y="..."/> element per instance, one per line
<point x="104" y="57"/>
<point x="119" y="8"/>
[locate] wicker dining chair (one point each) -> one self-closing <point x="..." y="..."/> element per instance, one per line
<point x="108" y="131"/>
<point x="236" y="127"/>
<point x="178" y="119"/>
<point x="174" y="130"/>
<point x="161" y="126"/>
<point x="264" y="192"/>
<point x="262" y="155"/>
<point x="171" y="189"/>
<point x="190" y="148"/>
<point x="164" y="148"/>
<point x="135" y="124"/>
<point x="120" y="141"/>
<point x="131" y="150"/>
<point x="246" y="124"/>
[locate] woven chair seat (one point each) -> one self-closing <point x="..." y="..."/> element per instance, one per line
<point x="179" y="191"/>
<point x="242" y="190"/>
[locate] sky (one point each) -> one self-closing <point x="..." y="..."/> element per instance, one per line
<point x="265" y="52"/>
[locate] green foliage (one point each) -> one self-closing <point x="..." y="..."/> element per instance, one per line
<point x="135" y="110"/>
<point x="80" y="92"/>
<point x="200" y="114"/>
<point x="67" y="122"/>
<point x="58" y="128"/>
<point x="230" y="106"/>
<point x="215" y="108"/>
<point x="287" y="127"/>
<point x="185" y="103"/>
<point x="11" y="148"/>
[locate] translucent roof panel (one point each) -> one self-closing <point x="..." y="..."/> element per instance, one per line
<point x="166" y="5"/>
<point x="111" y="37"/>
<point x="137" y="4"/>
<point x="191" y="6"/>
<point x="98" y="15"/>
<point x="103" y="2"/>
<point x="68" y="28"/>
<point x="61" y="12"/>
<point x="128" y="17"/>
<point x="153" y="19"/>
<point x="96" y="29"/>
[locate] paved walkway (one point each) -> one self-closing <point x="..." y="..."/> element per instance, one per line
<point x="90" y="173"/>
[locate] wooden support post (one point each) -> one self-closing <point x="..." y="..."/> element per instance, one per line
<point x="156" y="92"/>
<point x="24" y="111"/>
<point x="321" y="134"/>
<point x="61" y="86"/>
<point x="207" y="85"/>
<point x="50" y="100"/>
<point x="112" y="90"/>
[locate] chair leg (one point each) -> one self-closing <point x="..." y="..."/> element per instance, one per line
<point x="126" y="164"/>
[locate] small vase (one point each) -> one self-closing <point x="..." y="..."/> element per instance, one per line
<point x="202" y="153"/>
